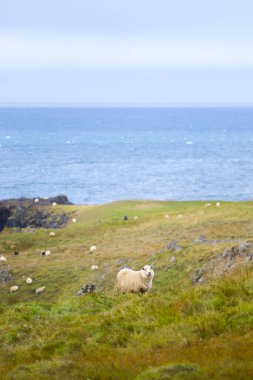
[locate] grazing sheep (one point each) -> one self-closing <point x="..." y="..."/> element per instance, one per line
<point x="166" y="216"/>
<point x="218" y="204"/>
<point x="47" y="253"/>
<point x="14" y="288"/>
<point x="54" y="204"/>
<point x="29" y="280"/>
<point x="208" y="205"/>
<point x="40" y="290"/>
<point x="74" y="220"/>
<point x="36" y="200"/>
<point x="93" y="248"/>
<point x="131" y="281"/>
<point x="136" y="217"/>
<point x="94" y="267"/>
<point x="3" y="258"/>
<point x="51" y="234"/>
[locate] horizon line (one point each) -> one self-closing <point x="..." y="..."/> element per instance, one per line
<point x="124" y="105"/>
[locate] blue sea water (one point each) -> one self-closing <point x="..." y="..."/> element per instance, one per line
<point x="96" y="155"/>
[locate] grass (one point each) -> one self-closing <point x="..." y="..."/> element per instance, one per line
<point x="177" y="331"/>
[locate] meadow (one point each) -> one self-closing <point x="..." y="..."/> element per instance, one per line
<point x="180" y="330"/>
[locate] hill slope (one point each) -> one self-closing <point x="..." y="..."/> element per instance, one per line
<point x="195" y="324"/>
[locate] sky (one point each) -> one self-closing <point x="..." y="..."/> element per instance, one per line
<point x="126" y="52"/>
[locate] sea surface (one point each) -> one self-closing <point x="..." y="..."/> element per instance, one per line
<point x="96" y="155"/>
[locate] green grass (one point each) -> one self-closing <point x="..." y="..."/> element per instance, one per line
<point x="177" y="331"/>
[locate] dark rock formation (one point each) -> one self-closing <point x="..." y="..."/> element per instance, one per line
<point x="173" y="246"/>
<point x="88" y="288"/>
<point x="5" y="276"/>
<point x="24" y="212"/>
<point x="223" y="263"/>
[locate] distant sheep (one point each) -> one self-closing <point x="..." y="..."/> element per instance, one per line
<point x="93" y="248"/>
<point x="29" y="280"/>
<point x="3" y="258"/>
<point x="94" y="267"/>
<point x="40" y="290"/>
<point x="14" y="288"/>
<point x="131" y="281"/>
<point x="51" y="234"/>
<point x="74" y="220"/>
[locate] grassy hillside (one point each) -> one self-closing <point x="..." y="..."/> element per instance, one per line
<point x="180" y="330"/>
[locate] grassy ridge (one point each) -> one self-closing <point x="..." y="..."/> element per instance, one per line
<point x="177" y="331"/>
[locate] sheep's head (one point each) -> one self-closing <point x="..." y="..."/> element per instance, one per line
<point x="147" y="272"/>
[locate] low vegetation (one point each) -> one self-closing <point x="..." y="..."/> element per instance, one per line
<point x="180" y="330"/>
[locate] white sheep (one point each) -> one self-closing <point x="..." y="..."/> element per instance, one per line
<point x="131" y="281"/>
<point x="93" y="248"/>
<point x="14" y="288"/>
<point x="217" y="204"/>
<point x="74" y="220"/>
<point x="52" y="234"/>
<point x="29" y="280"/>
<point x="54" y="204"/>
<point x="94" y="267"/>
<point x="40" y="290"/>
<point x="36" y="200"/>
<point x="3" y="258"/>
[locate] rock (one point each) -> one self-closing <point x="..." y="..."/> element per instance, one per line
<point x="231" y="252"/>
<point x="40" y="290"/>
<point x="173" y="246"/>
<point x="5" y="276"/>
<point x="201" y="239"/>
<point x="197" y="276"/>
<point x="25" y="212"/>
<point x="3" y="258"/>
<point x="15" y="253"/>
<point x="88" y="288"/>
<point x="94" y="267"/>
<point x="29" y="280"/>
<point x="244" y="247"/>
<point x="14" y="288"/>
<point x="93" y="248"/>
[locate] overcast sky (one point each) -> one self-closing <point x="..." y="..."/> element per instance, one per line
<point x="132" y="51"/>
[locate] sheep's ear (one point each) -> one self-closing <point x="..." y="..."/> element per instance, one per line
<point x="143" y="268"/>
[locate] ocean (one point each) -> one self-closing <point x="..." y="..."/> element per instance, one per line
<point x="97" y="155"/>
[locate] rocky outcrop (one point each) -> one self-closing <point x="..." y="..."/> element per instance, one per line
<point x="37" y="212"/>
<point x="226" y="262"/>
<point x="88" y="288"/>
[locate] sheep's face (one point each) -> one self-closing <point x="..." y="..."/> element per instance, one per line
<point x="147" y="272"/>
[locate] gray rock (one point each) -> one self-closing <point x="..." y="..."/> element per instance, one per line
<point x="5" y="276"/>
<point x="244" y="247"/>
<point x="88" y="288"/>
<point x="197" y="277"/>
<point x="173" y="246"/>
